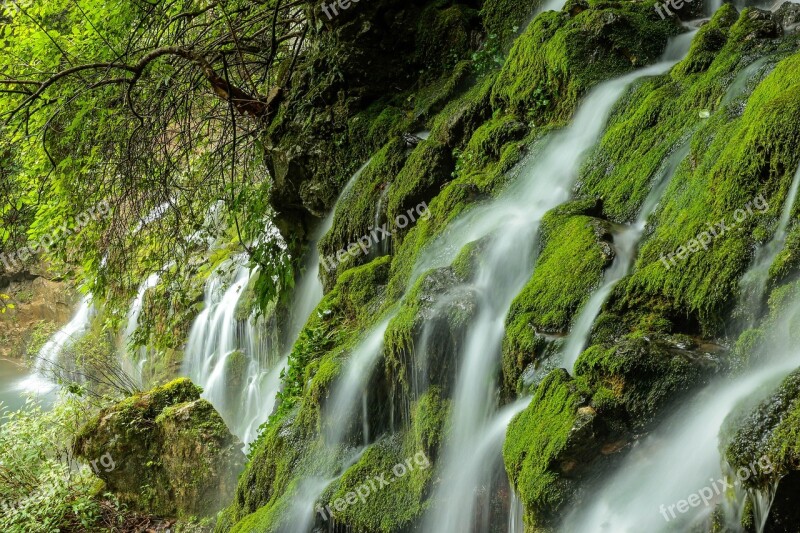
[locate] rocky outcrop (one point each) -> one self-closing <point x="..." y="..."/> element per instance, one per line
<point x="39" y="301"/>
<point x="166" y="452"/>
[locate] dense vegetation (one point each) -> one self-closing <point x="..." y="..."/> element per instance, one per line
<point x="170" y="137"/>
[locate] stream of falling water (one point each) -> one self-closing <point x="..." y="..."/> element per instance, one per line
<point x="545" y="182"/>
<point x="51" y="357"/>
<point x="626" y="244"/>
<point x="685" y="448"/>
<point x="754" y="283"/>
<point x="133" y="361"/>
<point x="235" y="354"/>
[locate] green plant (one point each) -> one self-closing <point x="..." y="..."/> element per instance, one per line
<point x="5" y="305"/>
<point x="489" y="56"/>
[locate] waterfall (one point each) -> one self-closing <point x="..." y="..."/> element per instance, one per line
<point x="686" y="446"/>
<point x="753" y="284"/>
<point x="337" y="418"/>
<point x="545" y="182"/>
<point x="515" y="512"/>
<point x="50" y="357"/>
<point x="133" y="363"/>
<point x="224" y="349"/>
<point x="677" y="460"/>
<point x="308" y="292"/>
<point x="237" y="360"/>
<point x="626" y="242"/>
<point x="351" y="384"/>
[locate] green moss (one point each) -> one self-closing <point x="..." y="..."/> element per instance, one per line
<point x="429" y="416"/>
<point x="535" y="441"/>
<point x="487" y="144"/>
<point x="446" y="327"/>
<point x="734" y="160"/>
<point x="173" y="454"/>
<point x="427" y="169"/>
<point x="462" y="116"/>
<point x="386" y="509"/>
<point x="642" y="374"/>
<point x="503" y="18"/>
<point x="444" y="34"/>
<point x="355" y="213"/>
<point x="575" y="251"/>
<point x="559" y="57"/>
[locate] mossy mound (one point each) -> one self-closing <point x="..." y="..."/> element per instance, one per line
<point x="392" y="478"/>
<point x="537" y="451"/>
<point x="637" y="376"/>
<point x="709" y="103"/>
<point x="173" y="454"/>
<point x="561" y="56"/>
<point x="355" y="215"/>
<point x="576" y="248"/>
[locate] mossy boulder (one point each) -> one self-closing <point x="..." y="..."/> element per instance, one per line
<point x="575" y="249"/>
<point x="424" y="338"/>
<point x="547" y="444"/>
<point x="385" y="509"/>
<point x="560" y="56"/>
<point x="173" y="454"/>
<point x="637" y="376"/>
<point x="235" y="371"/>
<point x="356" y="211"/>
<point x="428" y="168"/>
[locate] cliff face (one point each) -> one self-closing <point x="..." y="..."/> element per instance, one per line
<point x="633" y="289"/>
<point x="42" y="304"/>
<point x="722" y="123"/>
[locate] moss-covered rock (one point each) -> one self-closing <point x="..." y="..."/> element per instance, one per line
<point x="560" y="56"/>
<point x="429" y="167"/>
<point x="172" y="453"/>
<point x="537" y="451"/>
<point x="640" y="375"/>
<point x="356" y="212"/>
<point x="384" y="509"/>
<point x="424" y="338"/>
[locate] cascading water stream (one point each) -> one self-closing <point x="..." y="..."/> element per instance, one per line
<point x="626" y="244"/>
<point x="220" y="332"/>
<point x="50" y="357"/>
<point x="545" y="182"/>
<point x="685" y="450"/>
<point x="351" y="383"/>
<point x="686" y="446"/>
<point x="754" y="283"/>
<point x="515" y="519"/>
<point x="308" y="291"/>
<point x="337" y="415"/>
<point x="133" y="362"/>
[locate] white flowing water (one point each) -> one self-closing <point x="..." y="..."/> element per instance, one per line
<point x="686" y="448"/>
<point x="681" y="458"/>
<point x="50" y="360"/>
<point x="513" y="221"/>
<point x="337" y="419"/>
<point x="309" y="291"/>
<point x="351" y="384"/>
<point x="219" y="332"/>
<point x="626" y="243"/>
<point x="754" y="282"/>
<point x="515" y="515"/>
<point x="133" y="361"/>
